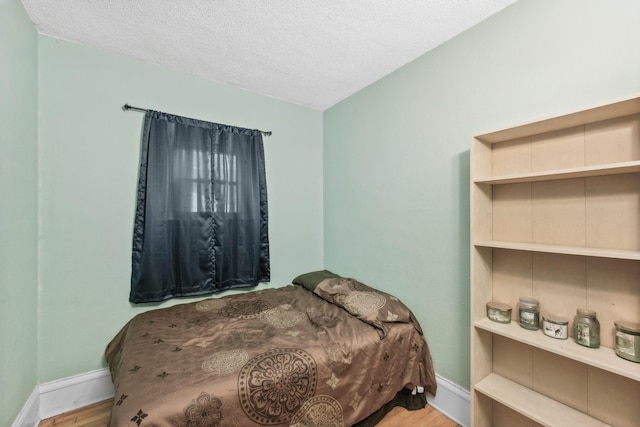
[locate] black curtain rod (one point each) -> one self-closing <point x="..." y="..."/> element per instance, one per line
<point x="127" y="107"/>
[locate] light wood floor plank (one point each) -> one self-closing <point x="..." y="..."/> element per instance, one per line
<point x="97" y="415"/>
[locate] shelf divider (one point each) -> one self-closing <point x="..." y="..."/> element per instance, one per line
<point x="566" y="250"/>
<point x="581" y="172"/>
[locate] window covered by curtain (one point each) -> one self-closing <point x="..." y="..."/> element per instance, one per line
<point x="201" y="223"/>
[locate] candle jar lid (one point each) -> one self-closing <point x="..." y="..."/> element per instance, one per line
<point x="499" y="306"/>
<point x="529" y="302"/>
<point x="556" y="319"/>
<point x="628" y="327"/>
<point x="585" y="312"/>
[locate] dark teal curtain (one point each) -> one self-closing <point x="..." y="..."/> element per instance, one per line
<point x="201" y="223"/>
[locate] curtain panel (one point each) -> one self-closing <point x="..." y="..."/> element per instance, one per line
<point x="201" y="222"/>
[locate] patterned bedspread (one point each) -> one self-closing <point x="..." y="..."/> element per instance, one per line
<point x="276" y="357"/>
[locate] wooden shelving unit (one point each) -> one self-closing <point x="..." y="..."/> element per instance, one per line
<point x="555" y="215"/>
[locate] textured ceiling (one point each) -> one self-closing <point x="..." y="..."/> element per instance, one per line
<point x="312" y="53"/>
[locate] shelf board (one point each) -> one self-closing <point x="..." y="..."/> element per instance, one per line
<point x="535" y="406"/>
<point x="618" y="109"/>
<point x="602" y="358"/>
<point x="564" y="250"/>
<point x="581" y="172"/>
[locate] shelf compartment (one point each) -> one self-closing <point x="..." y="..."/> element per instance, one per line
<point x="581" y="172"/>
<point x="535" y="406"/>
<point x="602" y="358"/>
<point x="564" y="250"/>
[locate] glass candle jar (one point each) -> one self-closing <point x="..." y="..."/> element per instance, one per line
<point x="586" y="328"/>
<point x="499" y="312"/>
<point x="628" y="340"/>
<point x="529" y="313"/>
<point x="555" y="326"/>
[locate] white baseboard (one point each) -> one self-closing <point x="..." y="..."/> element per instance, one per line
<point x="452" y="400"/>
<point x="66" y="394"/>
<point x="63" y="395"/>
<point x="29" y="416"/>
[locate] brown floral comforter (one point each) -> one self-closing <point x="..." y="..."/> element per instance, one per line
<point x="276" y="357"/>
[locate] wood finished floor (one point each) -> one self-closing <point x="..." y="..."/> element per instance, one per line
<point x="97" y="415"/>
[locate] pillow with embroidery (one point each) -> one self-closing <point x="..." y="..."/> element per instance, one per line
<point x="370" y="305"/>
<point x="310" y="280"/>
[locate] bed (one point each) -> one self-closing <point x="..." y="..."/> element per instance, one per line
<point x="324" y="351"/>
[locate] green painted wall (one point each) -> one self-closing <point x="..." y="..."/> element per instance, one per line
<point x="89" y="149"/>
<point x="396" y="155"/>
<point x="18" y="209"/>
